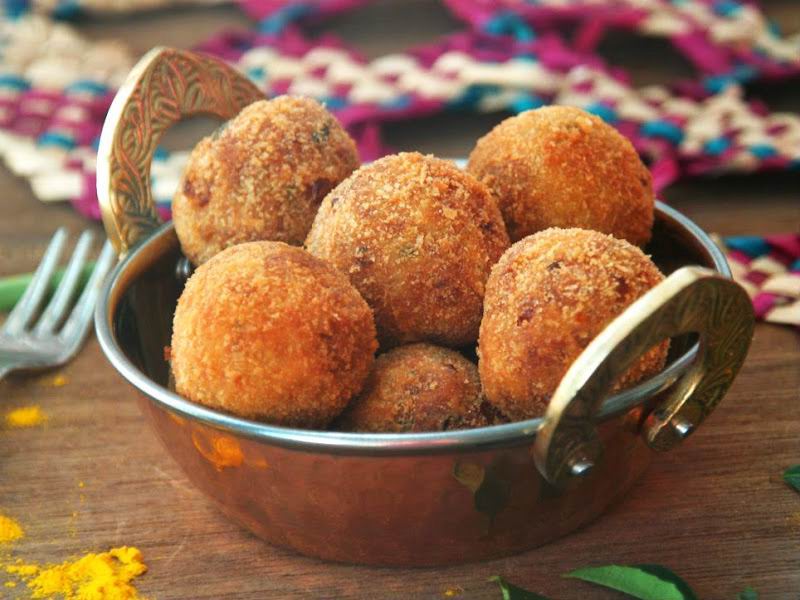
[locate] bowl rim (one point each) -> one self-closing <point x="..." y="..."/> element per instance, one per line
<point x="462" y="440"/>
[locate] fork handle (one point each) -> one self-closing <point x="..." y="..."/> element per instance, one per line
<point x="165" y="86"/>
<point x="4" y="370"/>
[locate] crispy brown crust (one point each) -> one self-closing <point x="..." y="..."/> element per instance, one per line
<point x="546" y="299"/>
<point x="266" y="331"/>
<point x="559" y="166"/>
<point x="261" y="176"/>
<point x="419" y="387"/>
<point x="417" y="237"/>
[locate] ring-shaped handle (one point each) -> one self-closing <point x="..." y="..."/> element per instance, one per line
<point x="165" y="86"/>
<point x="692" y="299"/>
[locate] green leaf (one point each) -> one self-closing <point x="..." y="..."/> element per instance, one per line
<point x="792" y="477"/>
<point x="512" y="592"/>
<point x="747" y="594"/>
<point x="12" y="288"/>
<point x="646" y="582"/>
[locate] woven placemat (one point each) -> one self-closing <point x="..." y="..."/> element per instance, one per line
<point x="56" y="86"/>
<point x="769" y="269"/>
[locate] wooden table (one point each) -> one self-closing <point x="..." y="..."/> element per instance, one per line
<point x="715" y="510"/>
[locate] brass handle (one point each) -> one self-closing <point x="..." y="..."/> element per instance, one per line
<point x="165" y="86"/>
<point x="692" y="299"/>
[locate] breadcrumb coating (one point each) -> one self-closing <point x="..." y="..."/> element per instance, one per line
<point x="546" y="299"/>
<point x="266" y="331"/>
<point x="417" y="237"/>
<point x="261" y="176"/>
<point x="419" y="387"/>
<point x="560" y="166"/>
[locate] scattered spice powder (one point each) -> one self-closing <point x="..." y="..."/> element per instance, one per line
<point x="10" y="530"/>
<point x="56" y="381"/>
<point x="59" y="381"/>
<point x="102" y="576"/>
<point x="27" y="416"/>
<point x="453" y="591"/>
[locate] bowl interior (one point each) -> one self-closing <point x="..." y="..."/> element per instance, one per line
<point x="146" y="286"/>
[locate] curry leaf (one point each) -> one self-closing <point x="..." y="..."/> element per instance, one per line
<point x="512" y="592"/>
<point x="747" y="594"/>
<point x="646" y="582"/>
<point x="792" y="477"/>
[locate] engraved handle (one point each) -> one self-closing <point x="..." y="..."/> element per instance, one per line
<point x="165" y="86"/>
<point x="692" y="299"/>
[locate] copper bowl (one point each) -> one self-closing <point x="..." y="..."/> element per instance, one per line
<point x="405" y="499"/>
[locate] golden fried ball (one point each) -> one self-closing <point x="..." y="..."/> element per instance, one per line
<point x="266" y="331"/>
<point x="560" y="166"/>
<point x="546" y="299"/>
<point x="261" y="176"/>
<point x="419" y="387"/>
<point x="417" y="237"/>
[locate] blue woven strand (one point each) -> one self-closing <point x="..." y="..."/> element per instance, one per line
<point x="751" y="245"/>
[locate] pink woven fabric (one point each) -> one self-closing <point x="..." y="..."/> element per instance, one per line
<point x="512" y="57"/>
<point x="769" y="269"/>
<point x="700" y="40"/>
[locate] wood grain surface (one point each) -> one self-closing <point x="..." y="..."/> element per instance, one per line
<point x="715" y="510"/>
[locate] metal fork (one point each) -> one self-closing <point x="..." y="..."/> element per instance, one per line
<point x="58" y="333"/>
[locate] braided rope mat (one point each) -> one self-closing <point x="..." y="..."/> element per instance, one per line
<point x="769" y="269"/>
<point x="56" y="86"/>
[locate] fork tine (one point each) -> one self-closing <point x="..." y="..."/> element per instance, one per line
<point x="26" y="307"/>
<point x="57" y="307"/>
<point x="78" y="322"/>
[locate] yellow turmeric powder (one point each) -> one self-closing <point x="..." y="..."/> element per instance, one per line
<point x="59" y="381"/>
<point x="102" y="576"/>
<point x="27" y="416"/>
<point x="22" y="570"/>
<point x="10" y="530"/>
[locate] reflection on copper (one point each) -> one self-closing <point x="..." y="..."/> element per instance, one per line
<point x="220" y="450"/>
<point x="177" y="418"/>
